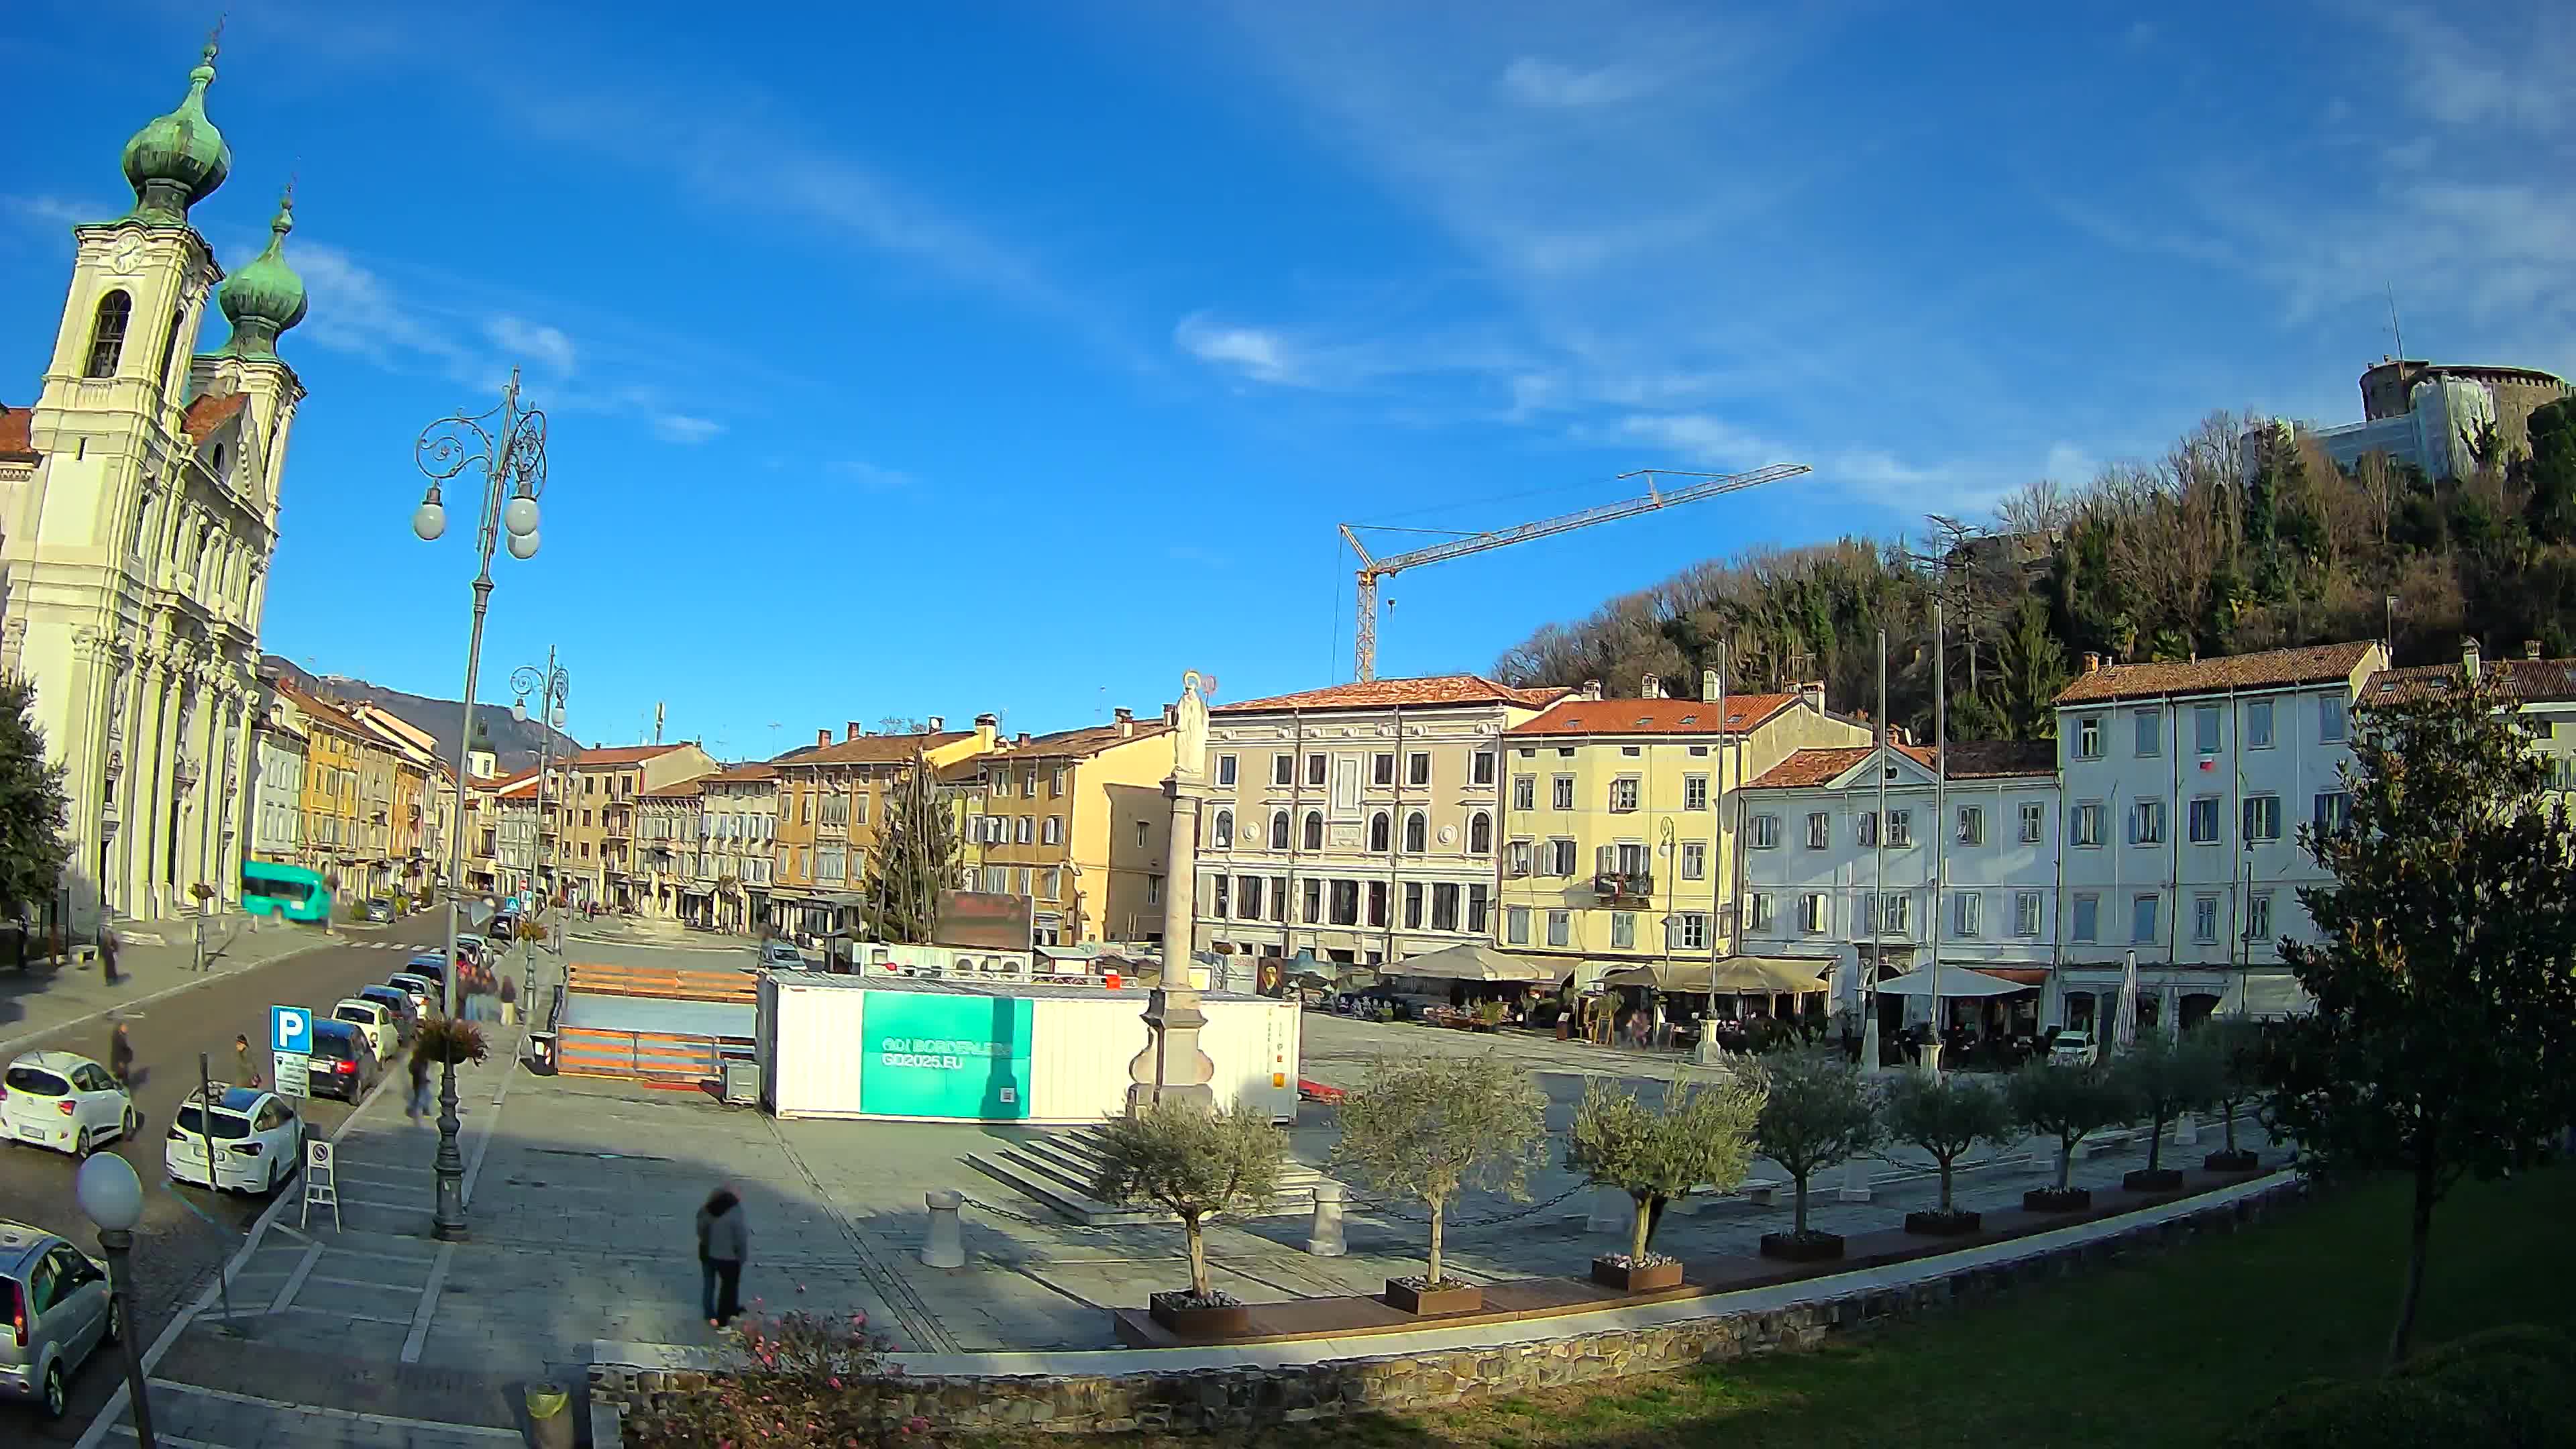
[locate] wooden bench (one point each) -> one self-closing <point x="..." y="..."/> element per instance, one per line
<point x="2112" y="1141"/>
<point x="1760" y="1191"/>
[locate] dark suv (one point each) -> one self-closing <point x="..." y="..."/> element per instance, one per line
<point x="343" y="1064"/>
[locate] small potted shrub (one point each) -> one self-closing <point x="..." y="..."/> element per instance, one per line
<point x="2068" y="1103"/>
<point x="1948" y="1116"/>
<point x="1196" y="1163"/>
<point x="1703" y="1137"/>
<point x="1819" y="1113"/>
<point x="451" y="1041"/>
<point x="2236" y="1043"/>
<point x="2163" y="1080"/>
<point x="1428" y="1127"/>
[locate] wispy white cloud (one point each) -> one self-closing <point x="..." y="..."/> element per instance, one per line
<point x="56" y="211"/>
<point x="1535" y="81"/>
<point x="682" y="428"/>
<point x="1256" y="353"/>
<point x="872" y="477"/>
<point x="519" y="337"/>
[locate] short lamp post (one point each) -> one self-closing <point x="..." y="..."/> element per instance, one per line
<point x="112" y="1196"/>
<point x="553" y="689"/>
<point x="508" y="445"/>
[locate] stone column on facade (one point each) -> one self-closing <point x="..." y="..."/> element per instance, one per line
<point x="154" y="788"/>
<point x="189" y="774"/>
<point x="243" y="798"/>
<point x="84" y="749"/>
<point x="125" y="695"/>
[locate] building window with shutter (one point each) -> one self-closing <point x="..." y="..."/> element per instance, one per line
<point x="1516" y="926"/>
<point x="1224" y="830"/>
<point x="2026" y="913"/>
<point x="1623" y="795"/>
<point x="1417" y="832"/>
<point x="1694" y="860"/>
<point x="1417" y="768"/>
<point x="1524" y="792"/>
<point x="1444" y="906"/>
<point x="1314" y="830"/>
<point x="1820" y="830"/>
<point x="1413" y="905"/>
<point x="1560" y="928"/>
<point x="1694" y="792"/>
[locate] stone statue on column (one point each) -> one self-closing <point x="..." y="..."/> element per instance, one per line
<point x="1172" y="1067"/>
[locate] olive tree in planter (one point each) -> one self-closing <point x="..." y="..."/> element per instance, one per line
<point x="2235" y="1045"/>
<point x="1948" y="1116"/>
<point x="2068" y="1103"/>
<point x="1196" y="1163"/>
<point x="1819" y="1113"/>
<point x="1430" y="1127"/>
<point x="1702" y="1137"/>
<point x="2164" y="1079"/>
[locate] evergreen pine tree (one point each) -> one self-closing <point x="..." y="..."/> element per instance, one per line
<point x="916" y="858"/>
<point x="32" y="850"/>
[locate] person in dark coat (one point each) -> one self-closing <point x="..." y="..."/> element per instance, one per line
<point x="120" y="1054"/>
<point x="724" y="1240"/>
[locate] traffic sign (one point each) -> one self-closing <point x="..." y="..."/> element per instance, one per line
<point x="293" y="1073"/>
<point x="290" y="1029"/>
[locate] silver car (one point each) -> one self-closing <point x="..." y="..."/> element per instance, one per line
<point x="55" y="1310"/>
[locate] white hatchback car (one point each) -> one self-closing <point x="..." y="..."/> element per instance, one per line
<point x="2074" y="1049"/>
<point x="257" y="1138"/>
<point x="383" y="1030"/>
<point x="66" y="1102"/>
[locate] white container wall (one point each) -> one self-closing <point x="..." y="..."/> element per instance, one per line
<point x="1254" y="1045"/>
<point x="1078" y="1073"/>
<point x="810" y="1035"/>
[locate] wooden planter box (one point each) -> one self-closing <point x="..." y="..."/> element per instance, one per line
<point x="2237" y="1161"/>
<point x="1654" y="1277"/>
<point x="1450" y="1297"/>
<point x="1942" y="1225"/>
<point x="1815" y="1247"/>
<point x="2159" y="1179"/>
<point x="1233" y="1318"/>
<point x="2050" y="1200"/>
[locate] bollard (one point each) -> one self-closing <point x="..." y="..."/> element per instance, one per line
<point x="1324" y="1235"/>
<point x="2186" y="1130"/>
<point x="1612" y="1212"/>
<point x="549" y="1417"/>
<point x="946" y="1245"/>
<point x="1856" y="1181"/>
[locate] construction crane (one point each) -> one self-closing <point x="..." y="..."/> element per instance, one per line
<point x="1373" y="570"/>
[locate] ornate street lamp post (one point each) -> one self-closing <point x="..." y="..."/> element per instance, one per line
<point x="112" y="1196"/>
<point x="508" y="444"/>
<point x="553" y="688"/>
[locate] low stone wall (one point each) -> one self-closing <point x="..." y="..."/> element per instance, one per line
<point x="1219" y="1400"/>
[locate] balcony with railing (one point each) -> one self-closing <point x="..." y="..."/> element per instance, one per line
<point x="1623" y="886"/>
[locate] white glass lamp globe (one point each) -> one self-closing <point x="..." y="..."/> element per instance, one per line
<point x="519" y="515"/>
<point x="519" y="710"/>
<point x="429" y="520"/>
<point x="523" y="545"/>
<point x="109" y="1192"/>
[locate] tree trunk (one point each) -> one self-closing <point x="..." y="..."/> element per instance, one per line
<point x="1197" y="1234"/>
<point x="1433" y="1277"/>
<point x="2229" y="1107"/>
<point x="2065" y="1160"/>
<point x="2155" y="1141"/>
<point x="2419" y="1242"/>
<point x="1798" y="1224"/>
<point x="1946" y="1164"/>
<point x="1644" y="1225"/>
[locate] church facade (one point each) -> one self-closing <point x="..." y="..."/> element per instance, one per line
<point x="138" y="515"/>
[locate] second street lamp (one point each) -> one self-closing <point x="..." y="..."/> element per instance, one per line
<point x="553" y="689"/>
<point x="508" y="445"/>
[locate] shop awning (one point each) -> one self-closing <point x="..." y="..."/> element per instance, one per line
<point x="1956" y="982"/>
<point x="1469" y="962"/>
<point x="1734" y="976"/>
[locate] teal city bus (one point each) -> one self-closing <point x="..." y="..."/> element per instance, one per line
<point x="290" y="891"/>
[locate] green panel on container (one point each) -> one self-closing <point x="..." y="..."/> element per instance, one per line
<point x="965" y="1057"/>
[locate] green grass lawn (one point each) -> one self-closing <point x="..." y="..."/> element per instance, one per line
<point x="2169" y="1349"/>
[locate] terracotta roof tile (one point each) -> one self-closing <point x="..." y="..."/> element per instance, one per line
<point x="1078" y="744"/>
<point x="1653" y="716"/>
<point x="746" y="774"/>
<point x="16" y="433"/>
<point x="616" y="755"/>
<point x="682" y="790"/>
<point x="874" y="749"/>
<point x="1969" y="760"/>
<point x="1430" y="689"/>
<point x="2273" y="668"/>
<point x="1815" y="767"/>
<point x="2531" y="681"/>
<point x="207" y="413"/>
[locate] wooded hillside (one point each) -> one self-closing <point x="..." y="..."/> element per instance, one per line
<point x="2191" y="554"/>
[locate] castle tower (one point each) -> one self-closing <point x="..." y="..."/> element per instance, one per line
<point x="135" y="552"/>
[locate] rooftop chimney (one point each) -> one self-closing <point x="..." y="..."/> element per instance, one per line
<point x="1591" y="690"/>
<point x="822" y="737"/>
<point x="1708" y="685"/>
<point x="936" y="724"/>
<point x="988" y="727"/>
<point x="1126" y="722"/>
<point x="2092" y="662"/>
<point x="1171" y="714"/>
<point x="1023" y="739"/>
<point x="854" y="731"/>
<point x="2531" y="649"/>
<point x="2469" y="658"/>
<point x="1813" y="692"/>
<point x="1651" y="688"/>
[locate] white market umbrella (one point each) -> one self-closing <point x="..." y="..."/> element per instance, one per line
<point x="2124" y="1026"/>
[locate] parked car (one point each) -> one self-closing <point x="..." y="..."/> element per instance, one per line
<point x="380" y="911"/>
<point x="2074" y="1049"/>
<point x="429" y="964"/>
<point x="66" y="1102"/>
<point x="373" y="1018"/>
<point x="473" y="947"/>
<point x="344" y="1065"/>
<point x="56" y="1309"/>
<point x="423" y="990"/>
<point x="505" y="928"/>
<point x="258" y="1141"/>
<point x="399" y="1001"/>
<point x="780" y="956"/>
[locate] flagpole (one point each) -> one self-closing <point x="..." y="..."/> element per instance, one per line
<point x="1940" y="819"/>
<point x="1856" y="1176"/>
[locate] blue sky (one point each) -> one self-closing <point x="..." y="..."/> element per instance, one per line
<point x="938" y="359"/>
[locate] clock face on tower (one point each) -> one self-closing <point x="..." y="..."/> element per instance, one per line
<point x="126" y="258"/>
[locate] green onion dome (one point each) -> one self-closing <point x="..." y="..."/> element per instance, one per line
<point x="179" y="159"/>
<point x="265" y="297"/>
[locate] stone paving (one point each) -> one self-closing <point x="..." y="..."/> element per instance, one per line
<point x="583" y="1192"/>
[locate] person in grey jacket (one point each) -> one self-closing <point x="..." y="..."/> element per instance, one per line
<point x="724" y="1240"/>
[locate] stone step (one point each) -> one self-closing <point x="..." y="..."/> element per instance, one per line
<point x="1057" y="1172"/>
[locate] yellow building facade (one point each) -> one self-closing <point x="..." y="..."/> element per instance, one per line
<point x="1618" y="836"/>
<point x="1077" y="822"/>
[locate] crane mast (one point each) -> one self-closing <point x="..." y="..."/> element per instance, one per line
<point x="1373" y="570"/>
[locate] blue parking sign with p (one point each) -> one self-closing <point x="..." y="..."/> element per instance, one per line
<point x="290" y="1029"/>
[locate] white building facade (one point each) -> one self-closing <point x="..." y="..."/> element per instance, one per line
<point x="2184" y="786"/>
<point x="1360" y="821"/>
<point x="1827" y="875"/>
<point x="137" y="543"/>
<point x="277" y="791"/>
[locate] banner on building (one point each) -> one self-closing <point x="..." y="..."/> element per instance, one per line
<point x="963" y="1057"/>
<point x="987" y="921"/>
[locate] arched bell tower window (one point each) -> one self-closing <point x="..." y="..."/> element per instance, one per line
<point x="170" y="346"/>
<point x="107" y="333"/>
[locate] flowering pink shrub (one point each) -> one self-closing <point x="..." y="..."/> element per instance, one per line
<point x="798" y="1380"/>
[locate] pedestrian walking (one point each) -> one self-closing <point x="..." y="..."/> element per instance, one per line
<point x="246" y="1075"/>
<point x="509" y="1001"/>
<point x="120" y="1055"/>
<point x="724" y="1240"/>
<point x="107" y="956"/>
<point x="418" y="1106"/>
